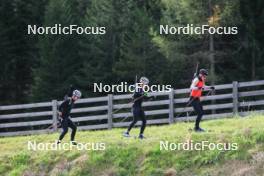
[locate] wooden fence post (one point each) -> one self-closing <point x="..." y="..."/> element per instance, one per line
<point x="110" y="111"/>
<point x="171" y="106"/>
<point x="235" y="97"/>
<point x="54" y="114"/>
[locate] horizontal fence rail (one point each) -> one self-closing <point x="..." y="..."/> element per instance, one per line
<point x="237" y="98"/>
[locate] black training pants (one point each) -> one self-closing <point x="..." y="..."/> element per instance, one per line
<point x="138" y="113"/>
<point x="65" y="124"/>
<point x="198" y="107"/>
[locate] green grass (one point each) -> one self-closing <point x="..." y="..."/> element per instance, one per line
<point x="130" y="156"/>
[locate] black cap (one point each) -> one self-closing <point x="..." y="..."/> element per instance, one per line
<point x="203" y="72"/>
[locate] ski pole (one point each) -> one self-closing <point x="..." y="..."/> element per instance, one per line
<point x="185" y="108"/>
<point x="211" y="91"/>
<point x="130" y="102"/>
<point x="127" y="104"/>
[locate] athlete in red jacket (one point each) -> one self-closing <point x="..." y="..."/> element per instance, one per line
<point x="197" y="87"/>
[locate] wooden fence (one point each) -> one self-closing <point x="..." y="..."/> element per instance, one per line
<point x="238" y="98"/>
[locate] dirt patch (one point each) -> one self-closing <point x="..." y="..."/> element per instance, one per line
<point x="170" y="172"/>
<point x="65" y="166"/>
<point x="80" y="161"/>
<point x="59" y="168"/>
<point x="30" y="173"/>
<point x="254" y="167"/>
<point x="109" y="172"/>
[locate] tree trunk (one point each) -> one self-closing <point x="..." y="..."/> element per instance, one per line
<point x="211" y="56"/>
<point x="253" y="65"/>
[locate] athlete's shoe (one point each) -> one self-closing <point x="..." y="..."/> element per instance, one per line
<point x="141" y="136"/>
<point x="199" y="130"/>
<point x="73" y="142"/>
<point x="58" y="141"/>
<point x="126" y="134"/>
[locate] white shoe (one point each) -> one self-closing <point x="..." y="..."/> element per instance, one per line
<point x="126" y="134"/>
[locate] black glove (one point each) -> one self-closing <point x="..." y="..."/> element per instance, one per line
<point x="212" y="88"/>
<point x="153" y="97"/>
<point x="150" y="98"/>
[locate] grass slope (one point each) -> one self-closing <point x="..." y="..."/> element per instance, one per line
<point x="143" y="157"/>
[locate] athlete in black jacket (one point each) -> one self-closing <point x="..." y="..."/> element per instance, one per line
<point x="64" y="113"/>
<point x="138" y="112"/>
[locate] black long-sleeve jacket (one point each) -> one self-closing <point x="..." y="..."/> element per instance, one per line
<point x="139" y="96"/>
<point x="65" y="107"/>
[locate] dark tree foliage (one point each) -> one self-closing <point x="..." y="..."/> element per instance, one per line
<point x="42" y="67"/>
<point x="18" y="51"/>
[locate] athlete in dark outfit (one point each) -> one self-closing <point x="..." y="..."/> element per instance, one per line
<point x="64" y="113"/>
<point x="198" y="85"/>
<point x="138" y="112"/>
